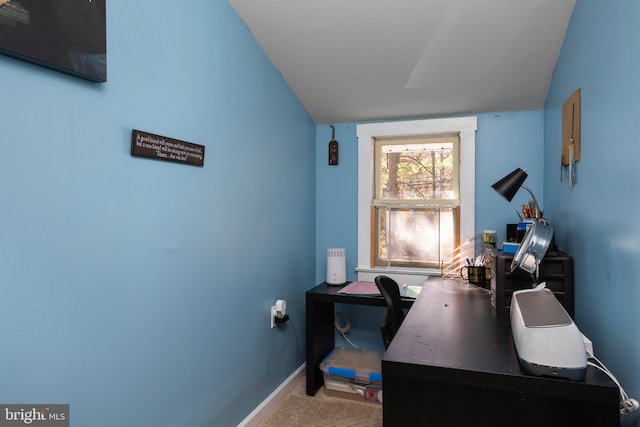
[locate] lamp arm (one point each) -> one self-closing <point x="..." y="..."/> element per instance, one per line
<point x="538" y="213"/>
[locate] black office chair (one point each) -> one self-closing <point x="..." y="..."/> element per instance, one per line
<point x="395" y="314"/>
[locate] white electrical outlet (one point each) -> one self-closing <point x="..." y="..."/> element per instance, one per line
<point x="278" y="311"/>
<point x="273" y="316"/>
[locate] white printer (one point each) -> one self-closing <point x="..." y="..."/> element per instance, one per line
<point x="547" y="340"/>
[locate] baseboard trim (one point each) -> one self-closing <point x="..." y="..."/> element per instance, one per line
<point x="273" y="399"/>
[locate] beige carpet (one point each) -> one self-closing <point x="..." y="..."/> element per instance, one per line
<point x="297" y="409"/>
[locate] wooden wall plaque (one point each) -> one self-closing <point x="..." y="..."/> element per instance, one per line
<point x="571" y="127"/>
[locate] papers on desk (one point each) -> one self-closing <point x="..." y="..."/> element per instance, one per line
<point x="370" y="288"/>
<point x="411" y="291"/>
<point x="360" y="288"/>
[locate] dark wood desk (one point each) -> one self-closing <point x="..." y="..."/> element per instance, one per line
<point x="453" y="363"/>
<point x="320" y="302"/>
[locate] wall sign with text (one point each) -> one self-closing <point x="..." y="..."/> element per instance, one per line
<point x="145" y="144"/>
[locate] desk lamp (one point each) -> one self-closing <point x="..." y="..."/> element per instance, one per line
<point x="538" y="236"/>
<point x="510" y="184"/>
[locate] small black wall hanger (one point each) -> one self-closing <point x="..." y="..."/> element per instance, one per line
<point x="333" y="148"/>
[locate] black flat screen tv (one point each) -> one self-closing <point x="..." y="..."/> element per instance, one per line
<point x="65" y="35"/>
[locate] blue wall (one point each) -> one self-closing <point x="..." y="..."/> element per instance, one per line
<point x="504" y="141"/>
<point x="595" y="220"/>
<point x="138" y="291"/>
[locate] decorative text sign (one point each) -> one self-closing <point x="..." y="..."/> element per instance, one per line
<point x="145" y="144"/>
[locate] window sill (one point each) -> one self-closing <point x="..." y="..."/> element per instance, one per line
<point x="408" y="276"/>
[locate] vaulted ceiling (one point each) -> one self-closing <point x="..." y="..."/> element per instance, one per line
<point x="363" y="60"/>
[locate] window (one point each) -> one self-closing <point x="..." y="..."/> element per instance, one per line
<point x="396" y="209"/>
<point x="416" y="199"/>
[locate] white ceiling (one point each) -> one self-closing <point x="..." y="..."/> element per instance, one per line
<point x="364" y="60"/>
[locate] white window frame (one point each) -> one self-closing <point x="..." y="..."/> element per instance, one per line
<point x="466" y="127"/>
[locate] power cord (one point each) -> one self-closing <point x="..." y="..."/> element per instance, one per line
<point x="344" y="328"/>
<point x="295" y="332"/>
<point x="627" y="405"/>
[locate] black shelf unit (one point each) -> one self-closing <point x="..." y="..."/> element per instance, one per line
<point x="556" y="269"/>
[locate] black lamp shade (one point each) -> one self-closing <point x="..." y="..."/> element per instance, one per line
<point x="510" y="184"/>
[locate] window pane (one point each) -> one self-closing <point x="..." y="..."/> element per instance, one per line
<point x="414" y="237"/>
<point x="417" y="172"/>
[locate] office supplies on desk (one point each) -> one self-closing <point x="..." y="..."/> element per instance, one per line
<point x="510" y="247"/>
<point x="475" y="274"/>
<point x="490" y="237"/>
<point x="411" y="291"/>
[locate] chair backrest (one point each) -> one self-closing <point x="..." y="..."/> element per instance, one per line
<point x="395" y="314"/>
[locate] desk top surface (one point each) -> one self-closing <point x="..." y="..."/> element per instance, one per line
<point x="329" y="293"/>
<point x="452" y="327"/>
